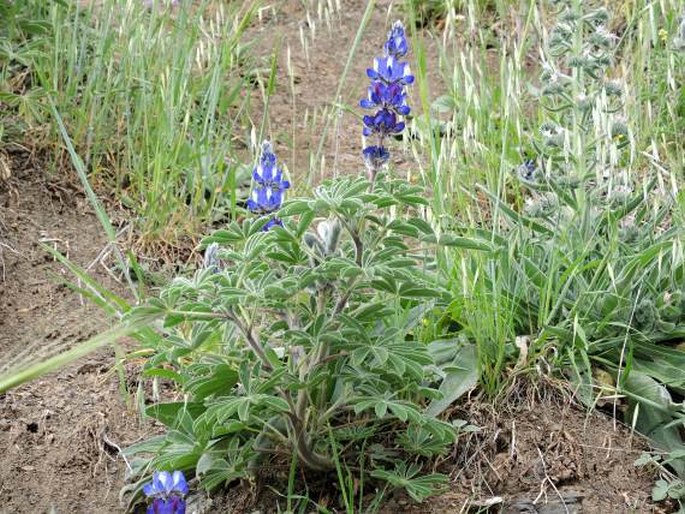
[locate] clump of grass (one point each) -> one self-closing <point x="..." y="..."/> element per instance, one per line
<point x="583" y="209"/>
<point x="151" y="98"/>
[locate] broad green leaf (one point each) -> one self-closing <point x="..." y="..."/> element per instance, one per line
<point x="220" y="381"/>
<point x="652" y="411"/>
<point x="461" y="375"/>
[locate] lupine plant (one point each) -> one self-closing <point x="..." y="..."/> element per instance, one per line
<point x="301" y="339"/>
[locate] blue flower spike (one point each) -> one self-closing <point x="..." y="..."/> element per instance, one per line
<point x="269" y="186"/>
<point x="167" y="491"/>
<point x="387" y="95"/>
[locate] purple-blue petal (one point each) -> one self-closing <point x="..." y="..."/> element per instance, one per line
<point x="179" y="483"/>
<point x="170" y="505"/>
<point x="149" y="489"/>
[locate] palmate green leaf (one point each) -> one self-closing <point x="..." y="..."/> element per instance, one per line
<point x="417" y="485"/>
<point x="289" y="257"/>
<point x="222" y="462"/>
<point x="408" y="358"/>
<point x="400" y="409"/>
<point x="234" y="234"/>
<point x="210" y="379"/>
<point x="224" y="408"/>
<point x="428" y="438"/>
<point x="177" y="459"/>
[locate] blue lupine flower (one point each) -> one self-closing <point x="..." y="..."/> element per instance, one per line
<point x="269" y="189"/>
<point x="390" y="70"/>
<point x="383" y="123"/>
<point x="266" y="173"/>
<point x="396" y="45"/>
<point x="264" y="200"/>
<point x="171" y="505"/>
<point x="376" y="156"/>
<point x="167" y="491"/>
<point x="164" y="484"/>
<point x="387" y="95"/>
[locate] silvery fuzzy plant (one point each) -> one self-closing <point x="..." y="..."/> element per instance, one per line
<point x="593" y="262"/>
<point x="299" y="341"/>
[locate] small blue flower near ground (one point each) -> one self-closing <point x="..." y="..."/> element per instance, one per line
<point x="269" y="190"/>
<point x="167" y="491"/>
<point x="388" y="96"/>
<point x="171" y="505"/>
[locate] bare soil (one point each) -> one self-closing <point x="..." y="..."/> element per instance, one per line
<point x="60" y="436"/>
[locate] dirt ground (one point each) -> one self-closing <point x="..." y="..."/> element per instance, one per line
<point x="60" y="436"/>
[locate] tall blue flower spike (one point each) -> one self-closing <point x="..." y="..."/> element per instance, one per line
<point x="387" y="95"/>
<point x="167" y="491"/>
<point x="269" y="190"/>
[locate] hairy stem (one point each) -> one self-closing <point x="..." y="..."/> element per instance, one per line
<point x="305" y="452"/>
<point x="252" y="342"/>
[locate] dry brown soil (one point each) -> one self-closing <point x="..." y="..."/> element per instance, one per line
<point x="60" y="436"/>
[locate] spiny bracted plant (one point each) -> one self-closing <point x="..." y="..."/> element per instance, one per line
<point x="301" y="337"/>
<point x="590" y="267"/>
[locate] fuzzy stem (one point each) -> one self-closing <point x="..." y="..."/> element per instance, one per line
<point x="251" y="340"/>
